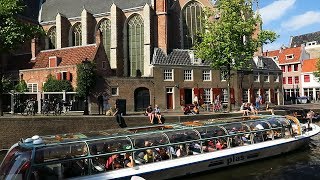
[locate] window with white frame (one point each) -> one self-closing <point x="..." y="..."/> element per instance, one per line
<point x="225" y="97"/>
<point x="114" y="91"/>
<point x="245" y="95"/>
<point x="267" y="95"/>
<point x="187" y="75"/>
<point x="223" y="75"/>
<point x="32" y="87"/>
<point x="256" y="77"/>
<point x="206" y="75"/>
<point x="289" y="56"/>
<point x="168" y="74"/>
<point x="207" y="96"/>
<point x="266" y="77"/>
<point x="311" y="43"/>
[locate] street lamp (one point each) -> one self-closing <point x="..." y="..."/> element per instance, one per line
<point x="86" y="106"/>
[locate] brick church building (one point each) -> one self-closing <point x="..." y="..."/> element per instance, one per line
<point x="142" y="52"/>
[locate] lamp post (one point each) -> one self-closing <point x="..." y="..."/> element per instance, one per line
<point x="86" y="106"/>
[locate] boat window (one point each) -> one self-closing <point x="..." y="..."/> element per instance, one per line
<point x="182" y="136"/>
<point x="148" y="140"/>
<point x="62" y="151"/>
<point x="67" y="169"/>
<point x="274" y="122"/>
<point x="258" y="125"/>
<point x="109" y="145"/>
<point x="236" y="128"/>
<point x="16" y="164"/>
<point x="211" y="131"/>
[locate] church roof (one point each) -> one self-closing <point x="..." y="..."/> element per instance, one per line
<point x="176" y="57"/>
<point x="73" y="8"/>
<point x="296" y="41"/>
<point x="67" y="56"/>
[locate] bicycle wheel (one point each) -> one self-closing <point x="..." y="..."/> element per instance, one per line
<point x="24" y="112"/>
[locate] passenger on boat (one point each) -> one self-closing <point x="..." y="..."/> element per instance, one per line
<point x="181" y="151"/>
<point x="128" y="160"/>
<point x="148" y="157"/>
<point x="112" y="162"/>
<point x="310" y="116"/>
<point x="150" y="113"/>
<point x="219" y="145"/>
<point x="163" y="154"/>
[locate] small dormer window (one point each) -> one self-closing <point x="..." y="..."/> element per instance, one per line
<point x="290" y="56"/>
<point x="311" y="43"/>
<point x="275" y="58"/>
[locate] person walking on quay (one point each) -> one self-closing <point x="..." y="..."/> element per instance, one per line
<point x="100" y="104"/>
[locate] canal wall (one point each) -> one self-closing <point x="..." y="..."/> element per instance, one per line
<point x="13" y="128"/>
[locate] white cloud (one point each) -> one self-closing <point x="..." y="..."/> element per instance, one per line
<point x="303" y="20"/>
<point x="275" y="10"/>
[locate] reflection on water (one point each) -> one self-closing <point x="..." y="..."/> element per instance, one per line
<point x="302" y="164"/>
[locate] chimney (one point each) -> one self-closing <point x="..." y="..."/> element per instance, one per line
<point x="53" y="61"/>
<point x="162" y="22"/>
<point x="35" y="49"/>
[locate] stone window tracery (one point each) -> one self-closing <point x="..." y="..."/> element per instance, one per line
<point x="191" y="22"/>
<point x="76" y="35"/>
<point x="105" y="29"/>
<point x="136" y="45"/>
<point x="52" y="35"/>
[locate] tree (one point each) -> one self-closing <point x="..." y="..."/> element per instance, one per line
<point x="13" y="33"/>
<point x="54" y="85"/>
<point x="86" y="81"/>
<point x="317" y="72"/>
<point x="229" y="42"/>
<point x="21" y="86"/>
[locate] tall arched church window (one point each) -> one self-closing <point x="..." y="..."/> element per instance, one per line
<point x="105" y="29"/>
<point x="52" y="35"/>
<point x="76" y="35"/>
<point x="135" y="45"/>
<point x="191" y="21"/>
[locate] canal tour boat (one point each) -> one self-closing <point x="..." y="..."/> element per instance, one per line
<point x="155" y="152"/>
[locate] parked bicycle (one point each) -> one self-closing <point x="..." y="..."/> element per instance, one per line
<point x="29" y="108"/>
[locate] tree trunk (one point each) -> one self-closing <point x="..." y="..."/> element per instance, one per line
<point x="2" y="59"/>
<point x="228" y="88"/>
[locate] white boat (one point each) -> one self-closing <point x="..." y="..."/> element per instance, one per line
<point x="157" y="152"/>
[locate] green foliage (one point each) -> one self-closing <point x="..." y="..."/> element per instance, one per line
<point x="14" y="32"/>
<point x="54" y="85"/>
<point x="21" y="87"/>
<point x="86" y="78"/>
<point x="6" y="85"/>
<point x="230" y="41"/>
<point x="317" y="73"/>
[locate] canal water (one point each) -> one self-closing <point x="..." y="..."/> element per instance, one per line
<point x="303" y="164"/>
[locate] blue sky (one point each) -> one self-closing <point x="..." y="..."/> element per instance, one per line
<point x="289" y="18"/>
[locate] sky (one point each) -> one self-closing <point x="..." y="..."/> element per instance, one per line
<point x="289" y="18"/>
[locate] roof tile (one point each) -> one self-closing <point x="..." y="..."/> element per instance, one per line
<point x="68" y="56"/>
<point x="309" y="65"/>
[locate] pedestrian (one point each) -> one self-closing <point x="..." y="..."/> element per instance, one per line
<point x="119" y="118"/>
<point x="258" y="102"/>
<point x="105" y="103"/>
<point x="100" y="104"/>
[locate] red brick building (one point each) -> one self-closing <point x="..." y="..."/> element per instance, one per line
<point x="143" y="55"/>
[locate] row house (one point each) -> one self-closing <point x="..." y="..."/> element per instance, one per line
<point x="310" y="84"/>
<point x="142" y="51"/>
<point x="289" y="61"/>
